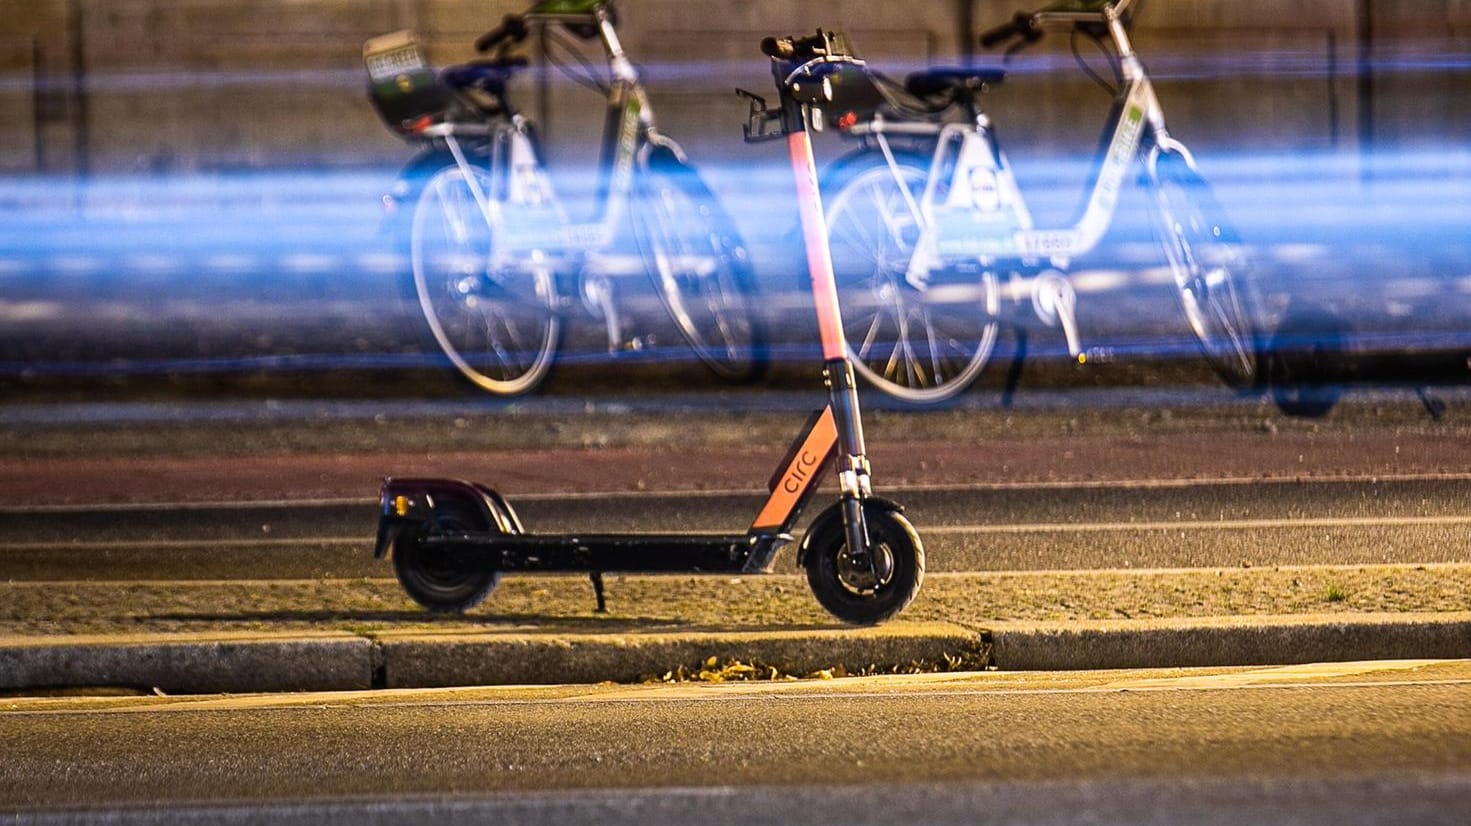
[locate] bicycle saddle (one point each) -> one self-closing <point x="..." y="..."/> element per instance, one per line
<point x="489" y="75"/>
<point x="953" y="80"/>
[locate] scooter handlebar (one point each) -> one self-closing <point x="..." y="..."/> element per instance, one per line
<point x="823" y="44"/>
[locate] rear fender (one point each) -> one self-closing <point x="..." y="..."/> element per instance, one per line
<point x="408" y="504"/>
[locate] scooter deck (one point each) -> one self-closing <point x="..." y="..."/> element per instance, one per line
<point x="612" y="553"/>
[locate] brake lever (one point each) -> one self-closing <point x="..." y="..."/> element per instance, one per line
<point x="757" y="127"/>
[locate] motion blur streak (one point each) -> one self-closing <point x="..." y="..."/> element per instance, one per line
<point x="302" y="270"/>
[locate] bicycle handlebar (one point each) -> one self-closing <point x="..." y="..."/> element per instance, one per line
<point x="781" y="48"/>
<point x="1082" y="14"/>
<point x="825" y="45"/>
<point x="512" y="28"/>
<point x="1022" y="24"/>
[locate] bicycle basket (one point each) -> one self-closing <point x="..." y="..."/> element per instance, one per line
<point x="855" y="96"/>
<point x="404" y="89"/>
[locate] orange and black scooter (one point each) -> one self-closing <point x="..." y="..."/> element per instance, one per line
<point x="451" y="541"/>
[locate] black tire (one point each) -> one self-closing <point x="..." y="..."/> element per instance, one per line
<point x="851" y="595"/>
<point x="501" y="330"/>
<point x="430" y="575"/>
<point x="919" y="347"/>
<point x="677" y="217"/>
<point x="1307" y="362"/>
<point x="1210" y="266"/>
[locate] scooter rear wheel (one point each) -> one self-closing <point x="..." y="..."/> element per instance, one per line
<point x="434" y="578"/>
<point x="853" y="593"/>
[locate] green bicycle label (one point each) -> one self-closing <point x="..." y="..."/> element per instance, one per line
<point x="1077" y="7"/>
<point x="566" y="6"/>
<point x="1120" y="154"/>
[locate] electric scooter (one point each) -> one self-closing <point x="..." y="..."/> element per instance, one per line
<point x="450" y="541"/>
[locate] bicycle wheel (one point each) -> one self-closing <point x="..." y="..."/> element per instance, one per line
<point x="700" y="268"/>
<point x="1209" y="266"/>
<point x="921" y="347"/>
<point x="499" y="329"/>
<point x="1307" y="364"/>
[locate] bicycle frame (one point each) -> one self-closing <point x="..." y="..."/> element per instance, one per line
<point x="973" y="211"/>
<point x="528" y="222"/>
<point x="977" y="211"/>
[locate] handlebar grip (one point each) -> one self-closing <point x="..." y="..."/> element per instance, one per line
<point x="781" y="48"/>
<point x="511" y="28"/>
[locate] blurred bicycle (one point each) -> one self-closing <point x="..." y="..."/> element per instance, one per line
<point x="926" y="218"/>
<point x="498" y="263"/>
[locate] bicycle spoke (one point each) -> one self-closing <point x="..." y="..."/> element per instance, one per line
<point x="452" y="218"/>
<point x="871" y="337"/>
<point x="935" y="355"/>
<point x="866" y="243"/>
<point x="912" y="374"/>
<point x="886" y="214"/>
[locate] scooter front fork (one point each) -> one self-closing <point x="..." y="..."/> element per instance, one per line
<point x="852" y="460"/>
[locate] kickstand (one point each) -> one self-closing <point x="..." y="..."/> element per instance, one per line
<point x="1014" y="373"/>
<point x="1435" y="407"/>
<point x="597" y="590"/>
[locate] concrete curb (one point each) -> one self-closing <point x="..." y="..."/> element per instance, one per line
<point x="1227" y="641"/>
<point x="417" y="660"/>
<point x="248" y="663"/>
<point x="189" y="664"/>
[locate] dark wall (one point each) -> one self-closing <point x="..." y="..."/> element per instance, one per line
<point x="125" y="85"/>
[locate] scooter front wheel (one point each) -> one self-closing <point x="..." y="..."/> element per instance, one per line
<point x="434" y="577"/>
<point x="863" y="594"/>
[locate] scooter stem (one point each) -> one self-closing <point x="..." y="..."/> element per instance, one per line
<point x="819" y="255"/>
<point x="853" y="467"/>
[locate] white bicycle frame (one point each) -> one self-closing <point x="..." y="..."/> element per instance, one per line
<point x="976" y="213"/>
<point x="527" y="220"/>
<point x="530" y="228"/>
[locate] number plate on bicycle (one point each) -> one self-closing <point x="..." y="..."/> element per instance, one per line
<point x="403" y="88"/>
<point x="392" y="55"/>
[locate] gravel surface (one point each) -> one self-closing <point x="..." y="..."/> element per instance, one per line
<point x="635" y="603"/>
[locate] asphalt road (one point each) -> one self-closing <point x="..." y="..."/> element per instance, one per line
<point x="1025" y="527"/>
<point x="1361" y="743"/>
